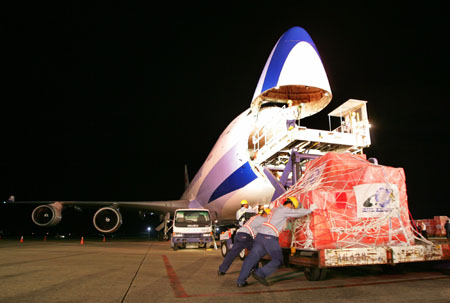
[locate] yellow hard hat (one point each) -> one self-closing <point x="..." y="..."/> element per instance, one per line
<point x="267" y="211"/>
<point x="293" y="200"/>
<point x="243" y="202"/>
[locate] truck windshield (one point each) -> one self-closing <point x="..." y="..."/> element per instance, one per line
<point x="192" y="219"/>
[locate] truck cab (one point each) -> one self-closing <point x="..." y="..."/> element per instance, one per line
<point x="192" y="228"/>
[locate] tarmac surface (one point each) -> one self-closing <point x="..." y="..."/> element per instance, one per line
<point x="150" y="271"/>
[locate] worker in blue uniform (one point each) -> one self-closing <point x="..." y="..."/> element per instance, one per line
<point x="243" y="239"/>
<point x="266" y="242"/>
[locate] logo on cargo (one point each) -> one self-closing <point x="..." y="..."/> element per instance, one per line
<point x="376" y="199"/>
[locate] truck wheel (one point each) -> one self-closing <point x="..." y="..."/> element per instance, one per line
<point x="315" y="273"/>
<point x="174" y="247"/>
<point x="223" y="248"/>
<point x="242" y="254"/>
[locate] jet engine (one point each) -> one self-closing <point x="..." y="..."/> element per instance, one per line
<point x="107" y="219"/>
<point x="47" y="215"/>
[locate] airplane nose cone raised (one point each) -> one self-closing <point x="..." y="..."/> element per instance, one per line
<point x="294" y="71"/>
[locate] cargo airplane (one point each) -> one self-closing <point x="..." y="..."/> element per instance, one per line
<point x="257" y="157"/>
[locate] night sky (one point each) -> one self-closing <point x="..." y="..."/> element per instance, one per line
<point x="109" y="102"/>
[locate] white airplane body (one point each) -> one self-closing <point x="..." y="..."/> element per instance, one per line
<point x="228" y="175"/>
<point x="257" y="144"/>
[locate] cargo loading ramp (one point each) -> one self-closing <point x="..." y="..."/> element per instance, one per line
<point x="272" y="144"/>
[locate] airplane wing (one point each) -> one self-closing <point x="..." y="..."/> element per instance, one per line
<point x="107" y="218"/>
<point x="156" y="206"/>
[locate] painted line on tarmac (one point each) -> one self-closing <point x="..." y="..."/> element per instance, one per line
<point x="175" y="283"/>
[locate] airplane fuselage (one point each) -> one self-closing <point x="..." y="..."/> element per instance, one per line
<point x="229" y="175"/>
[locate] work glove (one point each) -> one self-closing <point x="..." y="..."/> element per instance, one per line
<point x="313" y="207"/>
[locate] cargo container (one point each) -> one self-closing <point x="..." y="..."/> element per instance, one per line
<point x="362" y="218"/>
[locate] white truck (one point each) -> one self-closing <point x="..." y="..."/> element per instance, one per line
<point x="192" y="228"/>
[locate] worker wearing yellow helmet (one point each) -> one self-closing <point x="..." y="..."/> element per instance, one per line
<point x="291" y="200"/>
<point x="240" y="214"/>
<point x="266" y="242"/>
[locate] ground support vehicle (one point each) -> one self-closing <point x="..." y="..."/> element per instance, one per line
<point x="226" y="242"/>
<point x="192" y="228"/>
<point x="227" y="238"/>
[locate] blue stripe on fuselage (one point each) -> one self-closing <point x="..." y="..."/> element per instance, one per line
<point x="238" y="179"/>
<point x="284" y="47"/>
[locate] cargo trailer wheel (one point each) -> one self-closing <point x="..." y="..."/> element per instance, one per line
<point x="223" y="248"/>
<point x="286" y="258"/>
<point x="389" y="268"/>
<point x="315" y="273"/>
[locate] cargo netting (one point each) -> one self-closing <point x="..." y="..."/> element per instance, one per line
<point x="360" y="204"/>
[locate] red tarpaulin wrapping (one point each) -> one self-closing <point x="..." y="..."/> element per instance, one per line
<point x="360" y="204"/>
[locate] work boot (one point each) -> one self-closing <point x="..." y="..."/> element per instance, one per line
<point x="261" y="280"/>
<point x="243" y="284"/>
<point x="220" y="273"/>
